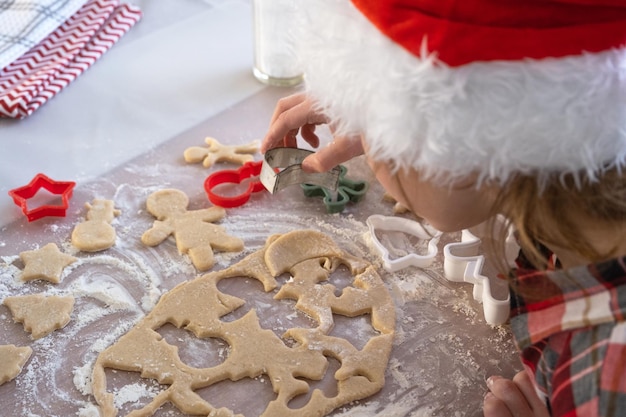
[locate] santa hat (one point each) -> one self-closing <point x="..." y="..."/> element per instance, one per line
<point x="453" y="87"/>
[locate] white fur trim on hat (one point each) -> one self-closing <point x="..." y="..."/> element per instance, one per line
<point x="497" y="118"/>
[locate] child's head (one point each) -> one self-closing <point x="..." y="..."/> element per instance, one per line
<point x="483" y="107"/>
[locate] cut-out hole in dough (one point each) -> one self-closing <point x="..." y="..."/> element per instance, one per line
<point x="195" y="352"/>
<point x="277" y="315"/>
<point x="131" y="391"/>
<point x="340" y="279"/>
<point x="328" y="385"/>
<point x="356" y="330"/>
<point x="246" y="396"/>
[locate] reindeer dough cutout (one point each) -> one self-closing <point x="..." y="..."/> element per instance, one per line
<point x="217" y="152"/>
<point x="194" y="231"/>
<point x="96" y="233"/>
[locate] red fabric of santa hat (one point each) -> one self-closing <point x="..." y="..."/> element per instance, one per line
<point x="488" y="86"/>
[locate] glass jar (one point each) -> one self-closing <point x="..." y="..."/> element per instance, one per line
<point x="275" y="59"/>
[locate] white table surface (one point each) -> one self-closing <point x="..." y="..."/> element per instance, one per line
<point x="185" y="61"/>
<point x="183" y="72"/>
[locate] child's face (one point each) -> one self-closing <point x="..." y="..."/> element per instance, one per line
<point x="447" y="208"/>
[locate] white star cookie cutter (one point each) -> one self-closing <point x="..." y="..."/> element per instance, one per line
<point x="408" y="227"/>
<point x="463" y="263"/>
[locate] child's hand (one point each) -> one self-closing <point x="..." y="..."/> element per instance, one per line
<point x="293" y="114"/>
<point x="513" y="398"/>
<point x="296" y="113"/>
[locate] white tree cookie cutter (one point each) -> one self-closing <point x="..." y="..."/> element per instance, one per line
<point x="401" y="224"/>
<point x="462" y="260"/>
<point x="463" y="263"/>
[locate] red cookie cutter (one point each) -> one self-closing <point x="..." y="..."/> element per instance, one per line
<point x="247" y="170"/>
<point x="21" y="196"/>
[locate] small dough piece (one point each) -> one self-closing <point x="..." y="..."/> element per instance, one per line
<point x="398" y="208"/>
<point x="193" y="230"/>
<point x="96" y="233"/>
<point x="46" y="263"/>
<point x="13" y="360"/>
<point x="40" y="315"/>
<point x="198" y="306"/>
<point x="217" y="152"/>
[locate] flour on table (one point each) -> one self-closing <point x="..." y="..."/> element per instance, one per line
<point x="289" y="361"/>
<point x="193" y="230"/>
<point x="40" y="315"/>
<point x="96" y="233"/>
<point x="13" y="359"/>
<point x="46" y="263"/>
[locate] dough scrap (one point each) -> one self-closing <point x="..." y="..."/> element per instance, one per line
<point x="217" y="152"/>
<point x="398" y="208"/>
<point x="40" y="315"/>
<point x="46" y="263"/>
<point x="197" y="306"/>
<point x="193" y="230"/>
<point x="96" y="234"/>
<point x="13" y="360"/>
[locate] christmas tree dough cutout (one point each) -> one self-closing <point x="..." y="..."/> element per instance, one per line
<point x="46" y="263"/>
<point x="96" y="233"/>
<point x="217" y="152"/>
<point x="197" y="306"/>
<point x="12" y="362"/>
<point x="40" y="315"/>
<point x="193" y="230"/>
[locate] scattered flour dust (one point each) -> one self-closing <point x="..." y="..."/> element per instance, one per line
<point x="132" y="393"/>
<point x="115" y="289"/>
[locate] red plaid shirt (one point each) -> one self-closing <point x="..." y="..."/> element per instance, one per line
<point x="569" y="326"/>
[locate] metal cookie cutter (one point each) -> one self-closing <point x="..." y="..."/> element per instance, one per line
<point x="21" y="196"/>
<point x="347" y="191"/>
<point x="405" y="226"/>
<point x="462" y="263"/>
<point x="247" y="170"/>
<point x="282" y="167"/>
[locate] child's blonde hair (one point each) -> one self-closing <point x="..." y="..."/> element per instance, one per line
<point x="551" y="214"/>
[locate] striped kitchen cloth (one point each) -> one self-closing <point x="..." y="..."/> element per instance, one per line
<point x="45" y="69"/>
<point x="24" y="23"/>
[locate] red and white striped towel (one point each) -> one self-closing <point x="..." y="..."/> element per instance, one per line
<point x="47" y="68"/>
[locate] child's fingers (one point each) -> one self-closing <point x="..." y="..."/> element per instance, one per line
<point x="525" y="385"/>
<point x="340" y="150"/>
<point x="308" y="134"/>
<point x="494" y="407"/>
<point x="291" y="113"/>
<point x="507" y="392"/>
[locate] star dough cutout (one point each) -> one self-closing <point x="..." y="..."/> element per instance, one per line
<point x="217" y="152"/>
<point x="21" y="196"/>
<point x="46" y="263"/>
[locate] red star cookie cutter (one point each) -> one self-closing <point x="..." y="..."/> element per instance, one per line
<point x="21" y="196"/>
<point x="236" y="176"/>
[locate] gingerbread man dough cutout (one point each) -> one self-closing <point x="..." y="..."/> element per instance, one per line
<point x="96" y="233"/>
<point x="217" y="152"/>
<point x="194" y="231"/>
